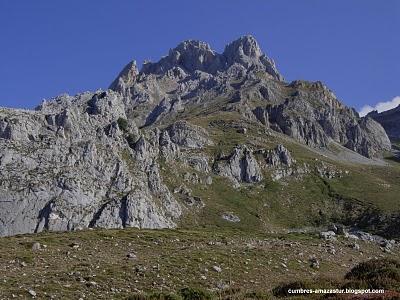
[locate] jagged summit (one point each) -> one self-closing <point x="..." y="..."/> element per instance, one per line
<point x="194" y="55"/>
<point x="189" y="55"/>
<point x="246" y="51"/>
<point x="246" y="45"/>
<point x="126" y="77"/>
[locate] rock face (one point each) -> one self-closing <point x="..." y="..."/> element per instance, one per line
<point x="390" y="120"/>
<point x="368" y="138"/>
<point x="239" y="166"/>
<point x="282" y="164"/>
<point x="186" y="135"/>
<point x="64" y="169"/>
<point x="314" y="116"/>
<point x="95" y="159"/>
<point x="279" y="156"/>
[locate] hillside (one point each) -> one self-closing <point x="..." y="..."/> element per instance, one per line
<point x="198" y="265"/>
<point x="247" y="182"/>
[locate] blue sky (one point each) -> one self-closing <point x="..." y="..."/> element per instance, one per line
<point x="50" y="47"/>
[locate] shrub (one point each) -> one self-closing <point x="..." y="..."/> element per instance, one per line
<point x="163" y="296"/>
<point x="195" y="294"/>
<point x="123" y="124"/>
<point x="155" y="296"/>
<point x="256" y="296"/>
<point x="375" y="274"/>
<point x="131" y="139"/>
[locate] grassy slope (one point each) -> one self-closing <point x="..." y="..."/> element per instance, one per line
<point x="167" y="260"/>
<point x="293" y="202"/>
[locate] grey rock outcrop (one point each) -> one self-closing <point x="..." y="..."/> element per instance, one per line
<point x="280" y="156"/>
<point x="239" y="166"/>
<point x="230" y="217"/>
<point x="261" y="115"/>
<point x="328" y="171"/>
<point x="62" y="169"/>
<point x="368" y="138"/>
<point x="280" y="162"/>
<point x="190" y="136"/>
<point x="314" y="116"/>
<point x="328" y="235"/>
<point x="199" y="163"/>
<point x="136" y="210"/>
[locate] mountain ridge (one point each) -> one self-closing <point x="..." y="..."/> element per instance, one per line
<point x="389" y="120"/>
<point x="147" y="152"/>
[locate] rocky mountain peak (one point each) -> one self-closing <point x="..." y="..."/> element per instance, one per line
<point x="193" y="55"/>
<point x="190" y="55"/>
<point x="245" y="51"/>
<point x="192" y="46"/>
<point x="242" y="48"/>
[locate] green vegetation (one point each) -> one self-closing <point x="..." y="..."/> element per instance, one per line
<point x="131" y="139"/>
<point x="376" y="274"/>
<point x="362" y="195"/>
<point x="123" y="124"/>
<point x="195" y="294"/>
<point x="201" y="294"/>
<point x="372" y="274"/>
<point x="361" y="191"/>
<point x="129" y="136"/>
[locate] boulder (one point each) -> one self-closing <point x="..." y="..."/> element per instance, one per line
<point x="328" y="235"/>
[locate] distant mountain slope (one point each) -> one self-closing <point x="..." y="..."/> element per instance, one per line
<point x="390" y="120"/>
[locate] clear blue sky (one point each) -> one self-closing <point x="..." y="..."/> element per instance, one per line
<point x="50" y="47"/>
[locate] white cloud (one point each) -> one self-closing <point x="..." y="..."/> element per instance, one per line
<point x="381" y="106"/>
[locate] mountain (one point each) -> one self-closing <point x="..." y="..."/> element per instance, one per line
<point x="390" y="120"/>
<point x="198" y="138"/>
